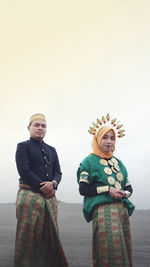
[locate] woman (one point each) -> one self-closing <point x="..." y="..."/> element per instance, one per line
<point x="103" y="181"/>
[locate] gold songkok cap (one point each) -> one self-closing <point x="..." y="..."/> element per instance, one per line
<point x="37" y="116"/>
<point x="106" y="121"/>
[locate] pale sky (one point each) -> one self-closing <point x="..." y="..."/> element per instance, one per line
<point x="75" y="61"/>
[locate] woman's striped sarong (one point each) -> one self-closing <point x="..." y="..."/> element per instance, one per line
<point x="37" y="238"/>
<point x="111" y="236"/>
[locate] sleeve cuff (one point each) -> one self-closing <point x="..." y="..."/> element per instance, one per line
<point x="102" y="189"/>
<point x="127" y="194"/>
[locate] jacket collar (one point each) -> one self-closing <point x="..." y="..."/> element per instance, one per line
<point x="36" y="141"/>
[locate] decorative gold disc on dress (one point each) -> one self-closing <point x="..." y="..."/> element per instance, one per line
<point x="113" y="169"/>
<point x="104" y="162"/>
<point x="110" y="162"/>
<point x="114" y="160"/>
<point x="111" y="180"/>
<point x="107" y="170"/>
<point x="118" y="185"/>
<point x="117" y="167"/>
<point x="119" y="176"/>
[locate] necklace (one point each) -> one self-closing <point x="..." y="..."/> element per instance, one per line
<point x="48" y="161"/>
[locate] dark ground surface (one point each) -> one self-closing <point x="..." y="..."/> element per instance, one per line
<point x="76" y="236"/>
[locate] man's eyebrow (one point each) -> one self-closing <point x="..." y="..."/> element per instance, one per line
<point x="39" y="123"/>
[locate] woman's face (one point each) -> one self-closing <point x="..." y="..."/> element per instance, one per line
<point x="108" y="141"/>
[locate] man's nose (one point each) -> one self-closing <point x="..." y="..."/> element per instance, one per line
<point x="40" y="126"/>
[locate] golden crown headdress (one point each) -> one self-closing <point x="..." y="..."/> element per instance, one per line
<point x="105" y="121"/>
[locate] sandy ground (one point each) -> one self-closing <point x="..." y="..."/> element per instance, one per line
<point x="76" y="237"/>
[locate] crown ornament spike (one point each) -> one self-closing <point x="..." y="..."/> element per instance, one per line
<point x="108" y="117"/>
<point x="120" y="131"/>
<point x="121" y="135"/>
<point x="94" y="124"/>
<point x="90" y="131"/>
<point x="119" y="126"/>
<point x="113" y="121"/>
<point x="103" y="119"/>
<point x="100" y="123"/>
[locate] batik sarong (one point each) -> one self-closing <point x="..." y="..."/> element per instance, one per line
<point x="111" y="236"/>
<point x="37" y="238"/>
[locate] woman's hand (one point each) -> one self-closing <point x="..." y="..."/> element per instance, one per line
<point x="115" y="193"/>
<point x="47" y="189"/>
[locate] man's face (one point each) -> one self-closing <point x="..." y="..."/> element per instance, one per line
<point x="37" y="129"/>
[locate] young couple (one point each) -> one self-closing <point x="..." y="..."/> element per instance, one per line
<point x="103" y="181"/>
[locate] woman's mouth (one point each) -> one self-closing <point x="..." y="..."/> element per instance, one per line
<point x="108" y="146"/>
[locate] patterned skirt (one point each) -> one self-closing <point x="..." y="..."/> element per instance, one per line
<point x="37" y="238"/>
<point x="111" y="236"/>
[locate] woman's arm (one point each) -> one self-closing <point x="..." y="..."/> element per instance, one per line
<point x="89" y="190"/>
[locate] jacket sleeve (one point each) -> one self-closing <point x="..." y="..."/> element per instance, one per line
<point x="57" y="174"/>
<point x="85" y="187"/>
<point x="23" y="166"/>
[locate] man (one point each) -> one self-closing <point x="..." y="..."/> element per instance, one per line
<point x="37" y="239"/>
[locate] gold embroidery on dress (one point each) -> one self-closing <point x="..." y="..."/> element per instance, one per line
<point x="114" y="160"/>
<point x="111" y="180"/>
<point x="113" y="169"/>
<point x="118" y="185"/>
<point x="86" y="173"/>
<point x="119" y="176"/>
<point x="104" y="162"/>
<point x="110" y="162"/>
<point x="107" y="170"/>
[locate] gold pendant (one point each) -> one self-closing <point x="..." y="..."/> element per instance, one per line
<point x="107" y="170"/>
<point x="103" y="162"/>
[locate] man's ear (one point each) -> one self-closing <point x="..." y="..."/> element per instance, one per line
<point x="28" y="127"/>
